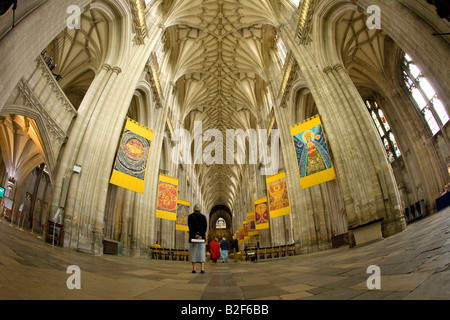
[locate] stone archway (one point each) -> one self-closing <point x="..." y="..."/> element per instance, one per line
<point x="223" y="229"/>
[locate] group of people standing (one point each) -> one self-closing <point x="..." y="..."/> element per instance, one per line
<point x="220" y="251"/>
<point x="197" y="247"/>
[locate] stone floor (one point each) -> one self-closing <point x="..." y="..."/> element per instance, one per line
<point x="414" y="265"/>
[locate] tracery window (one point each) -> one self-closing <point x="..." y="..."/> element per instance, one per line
<point x="221" y="224"/>
<point x="384" y="129"/>
<point x="424" y="95"/>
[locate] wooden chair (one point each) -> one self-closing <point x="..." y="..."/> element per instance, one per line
<point x="156" y="253"/>
<point x="185" y="255"/>
<point x="269" y="253"/>
<point x="262" y="253"/>
<point x="284" y="251"/>
<point x="291" y="250"/>
<point x="174" y="254"/>
<point x="164" y="254"/>
<point x="274" y="252"/>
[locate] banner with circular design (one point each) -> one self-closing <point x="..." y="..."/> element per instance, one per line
<point x="130" y="167"/>
<point x="166" y="205"/>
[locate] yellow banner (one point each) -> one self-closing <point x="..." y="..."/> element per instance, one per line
<point x="183" y="208"/>
<point x="313" y="158"/>
<point x="277" y="195"/>
<point x="245" y="230"/>
<point x="166" y="206"/>
<point x="241" y="235"/>
<point x="130" y="168"/>
<point x="261" y="214"/>
<point x="251" y="221"/>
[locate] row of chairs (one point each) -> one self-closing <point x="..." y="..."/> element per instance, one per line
<point x="250" y="253"/>
<point x="170" y="254"/>
<point x="269" y="252"/>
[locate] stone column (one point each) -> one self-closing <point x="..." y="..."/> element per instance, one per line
<point x="304" y="235"/>
<point x="362" y="170"/>
<point x="383" y="178"/>
<point x="100" y="131"/>
<point x="65" y="178"/>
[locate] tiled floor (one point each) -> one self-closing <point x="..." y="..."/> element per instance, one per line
<point x="414" y="265"/>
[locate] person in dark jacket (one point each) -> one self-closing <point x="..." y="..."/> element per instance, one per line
<point x="224" y="250"/>
<point x="235" y="247"/>
<point x="197" y="234"/>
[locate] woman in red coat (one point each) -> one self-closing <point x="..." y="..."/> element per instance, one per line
<point x="214" y="250"/>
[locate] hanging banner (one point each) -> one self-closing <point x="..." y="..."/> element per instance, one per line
<point x="245" y="230"/>
<point x="183" y="208"/>
<point x="251" y="222"/>
<point x="261" y="214"/>
<point x="166" y="207"/>
<point x="241" y="235"/>
<point x="278" y="198"/>
<point x="130" y="168"/>
<point x="313" y="158"/>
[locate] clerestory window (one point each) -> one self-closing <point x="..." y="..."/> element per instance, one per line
<point x="424" y="96"/>
<point x="281" y="52"/>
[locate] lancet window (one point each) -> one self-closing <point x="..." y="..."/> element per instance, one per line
<point x="384" y="129"/>
<point x="424" y="96"/>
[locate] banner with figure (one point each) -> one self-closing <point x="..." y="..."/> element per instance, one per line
<point x="313" y="158"/>
<point x="277" y="195"/>
<point x="166" y="206"/>
<point x="251" y="222"/>
<point x="130" y="168"/>
<point x="261" y="214"/>
<point x="245" y="223"/>
<point x="183" y="208"/>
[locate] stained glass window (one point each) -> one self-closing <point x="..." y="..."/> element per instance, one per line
<point x="394" y="144"/>
<point x="377" y="123"/>
<point x="383" y="120"/>
<point x="221" y="223"/>
<point x="424" y="96"/>
<point x="384" y="129"/>
<point x="389" y="152"/>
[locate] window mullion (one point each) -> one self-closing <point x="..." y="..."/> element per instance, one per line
<point x="430" y="104"/>
<point x="422" y="93"/>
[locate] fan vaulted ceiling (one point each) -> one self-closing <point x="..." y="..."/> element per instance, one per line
<point x="219" y="56"/>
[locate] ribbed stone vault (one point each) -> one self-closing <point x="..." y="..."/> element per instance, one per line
<point x="219" y="52"/>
